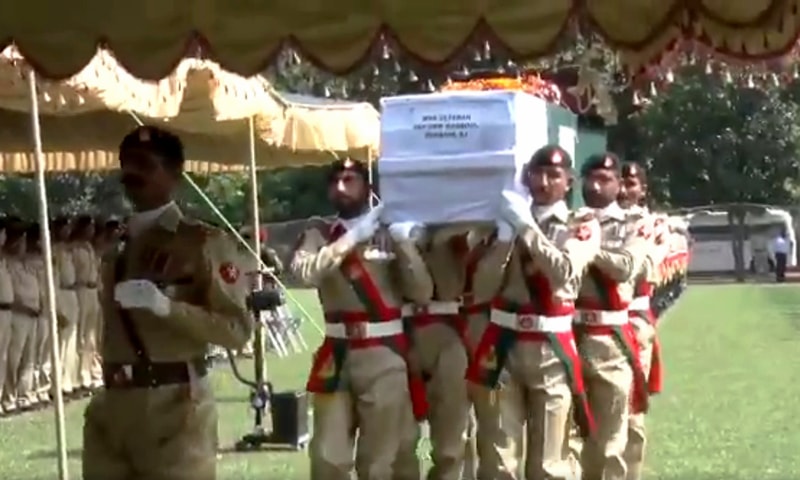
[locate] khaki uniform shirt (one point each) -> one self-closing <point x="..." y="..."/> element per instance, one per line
<point x="6" y="283"/>
<point x="196" y="267"/>
<point x="316" y="262"/>
<point x="27" y="293"/>
<point x="626" y="243"/>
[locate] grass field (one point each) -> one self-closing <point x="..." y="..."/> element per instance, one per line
<point x="729" y="411"/>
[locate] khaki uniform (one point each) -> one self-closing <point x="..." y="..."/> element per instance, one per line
<point x="527" y="356"/>
<point x="97" y="367"/>
<point x="68" y="315"/>
<point x="86" y="275"/>
<point x="441" y="339"/>
<point x="606" y="339"/>
<point x="156" y="418"/>
<point x="6" y="300"/>
<point x="643" y="320"/>
<point x="360" y="378"/>
<point x="42" y="352"/>
<point x="487" y="255"/>
<point x="25" y="312"/>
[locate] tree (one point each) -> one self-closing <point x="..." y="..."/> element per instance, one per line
<point x="706" y="141"/>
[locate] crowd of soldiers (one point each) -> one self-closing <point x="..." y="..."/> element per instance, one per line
<point x="530" y="348"/>
<point x="25" y="354"/>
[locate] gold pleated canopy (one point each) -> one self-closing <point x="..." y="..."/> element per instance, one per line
<point x="84" y="117"/>
<point x="151" y="36"/>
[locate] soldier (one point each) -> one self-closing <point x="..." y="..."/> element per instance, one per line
<point x="440" y="339"/>
<point x="41" y="351"/>
<point x="6" y="301"/>
<point x="361" y="379"/>
<point x="66" y="303"/>
<point x="614" y="378"/>
<point x="25" y="312"/>
<point x="475" y="246"/>
<point x="632" y="198"/>
<point x="86" y="274"/>
<point x="169" y="292"/>
<point x="527" y="356"/>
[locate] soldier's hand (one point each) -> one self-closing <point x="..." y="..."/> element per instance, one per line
<point x="404" y="231"/>
<point x="366" y="227"/>
<point x="516" y="210"/>
<point x="142" y="294"/>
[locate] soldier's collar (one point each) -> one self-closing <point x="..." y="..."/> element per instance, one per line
<point x="170" y="217"/>
<point x="558" y="210"/>
<point x="167" y="216"/>
<point x="638" y="210"/>
<point x="611" y="212"/>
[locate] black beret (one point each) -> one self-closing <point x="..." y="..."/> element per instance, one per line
<point x="600" y="161"/>
<point x="34" y="232"/>
<point x="348" y="165"/>
<point x="632" y="169"/>
<point x="15" y="229"/>
<point x="157" y="141"/>
<point x="84" y="221"/>
<point x="551" y="156"/>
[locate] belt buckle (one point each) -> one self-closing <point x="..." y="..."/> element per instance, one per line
<point x="591" y="318"/>
<point x="123" y="375"/>
<point x="526" y="322"/>
<point x="355" y="330"/>
<point x="419" y="309"/>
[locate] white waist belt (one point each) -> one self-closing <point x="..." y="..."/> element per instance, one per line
<point x="523" y="322"/>
<point x="640" y="304"/>
<point x="364" y="330"/>
<point x="433" y="308"/>
<point x="603" y="317"/>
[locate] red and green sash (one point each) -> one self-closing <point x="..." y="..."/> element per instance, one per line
<point x="326" y="369"/>
<point x="624" y="335"/>
<point x="497" y="342"/>
<point x="655" y="377"/>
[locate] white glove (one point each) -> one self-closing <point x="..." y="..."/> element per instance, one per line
<point x="365" y="228"/>
<point x="404" y="231"/>
<point x="505" y="232"/>
<point x="142" y="294"/>
<point x="516" y="210"/>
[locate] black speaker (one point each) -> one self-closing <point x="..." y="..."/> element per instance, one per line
<point x="289" y="412"/>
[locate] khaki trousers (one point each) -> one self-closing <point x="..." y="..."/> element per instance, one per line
<point x="20" y="388"/>
<point x="369" y="417"/>
<point x="609" y="380"/>
<point x="443" y="359"/>
<point x="5" y="341"/>
<point x="637" y="438"/>
<point x="68" y="312"/>
<point x="88" y="332"/>
<point x="162" y="433"/>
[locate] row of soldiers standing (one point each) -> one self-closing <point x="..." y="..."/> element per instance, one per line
<point x="529" y="348"/>
<point x="25" y="354"/>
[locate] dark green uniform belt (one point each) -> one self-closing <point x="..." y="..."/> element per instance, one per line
<point x="149" y="375"/>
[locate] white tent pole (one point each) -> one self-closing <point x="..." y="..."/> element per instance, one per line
<point x="44" y="219"/>
<point x="253" y="171"/>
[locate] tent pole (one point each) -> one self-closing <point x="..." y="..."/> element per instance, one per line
<point x="44" y="219"/>
<point x="258" y="337"/>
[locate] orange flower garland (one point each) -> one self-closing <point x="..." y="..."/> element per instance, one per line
<point x="531" y="84"/>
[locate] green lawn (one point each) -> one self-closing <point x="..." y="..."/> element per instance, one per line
<point x="728" y="413"/>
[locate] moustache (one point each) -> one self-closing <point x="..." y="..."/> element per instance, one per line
<point x="130" y="180"/>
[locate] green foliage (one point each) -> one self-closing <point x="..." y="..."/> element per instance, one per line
<point x="709" y="142"/>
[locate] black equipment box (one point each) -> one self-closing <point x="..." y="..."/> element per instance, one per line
<point x="289" y="412"/>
